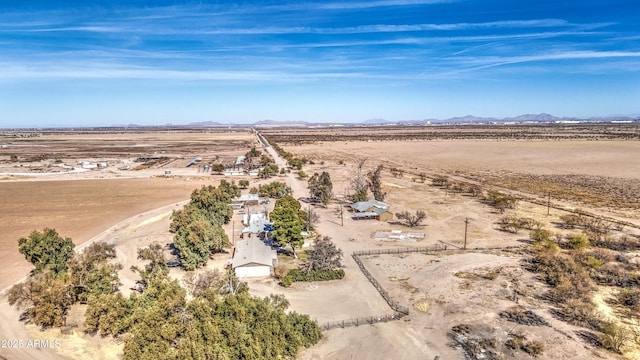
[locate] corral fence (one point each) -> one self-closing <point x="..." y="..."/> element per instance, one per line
<point x="385" y="295"/>
<point x="366" y="320"/>
<point x="436" y="247"/>
<point x="399" y="310"/>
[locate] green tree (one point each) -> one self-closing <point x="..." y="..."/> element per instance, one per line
<point x="289" y="222"/>
<point x="214" y="202"/>
<point x="374" y="180"/>
<point x="91" y="273"/>
<point x="268" y="171"/>
<point x="47" y="250"/>
<point x="253" y="153"/>
<point x="157" y="266"/>
<point x="243" y="184"/>
<point x="44" y="297"/>
<point x="108" y="314"/>
<point x="265" y="160"/>
<point x="157" y="322"/>
<point x="500" y="201"/>
<point x="320" y="187"/>
<point x="198" y="241"/>
<point x="274" y="189"/>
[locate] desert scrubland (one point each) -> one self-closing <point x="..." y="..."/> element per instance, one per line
<point x="487" y="299"/>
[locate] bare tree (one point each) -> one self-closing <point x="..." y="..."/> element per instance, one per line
<point x="324" y="256"/>
<point x="312" y="217"/>
<point x="412" y="220"/>
<point x="199" y="283"/>
<point x="359" y="184"/>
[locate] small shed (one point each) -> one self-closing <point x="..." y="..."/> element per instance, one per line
<point x="253" y="258"/>
<point x="248" y="199"/>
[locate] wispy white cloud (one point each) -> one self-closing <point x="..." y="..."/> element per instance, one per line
<point x="372" y="4"/>
<point x="200" y="29"/>
<point x="475" y="64"/>
<point x="81" y="71"/>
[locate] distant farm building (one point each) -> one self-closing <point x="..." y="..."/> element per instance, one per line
<point x="93" y="165"/>
<point x="194" y="161"/>
<point x="371" y="209"/>
<point x="252" y="258"/>
<point x="233" y="172"/>
<point x="247" y="199"/>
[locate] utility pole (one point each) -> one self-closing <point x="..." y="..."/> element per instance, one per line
<point x="548" y="202"/>
<point x="466" y="224"/>
<point x="341" y="216"/>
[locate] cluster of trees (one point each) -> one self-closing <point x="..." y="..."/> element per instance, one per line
<point x="61" y="277"/>
<point x="500" y="201"/>
<point x="513" y="223"/>
<point x="274" y="190"/>
<point x="268" y="171"/>
<point x="361" y="184"/>
<point x="293" y="161"/>
<point x="320" y="187"/>
<point x="221" y="320"/>
<point x="289" y="221"/>
<point x="255" y="158"/>
<point x="198" y="226"/>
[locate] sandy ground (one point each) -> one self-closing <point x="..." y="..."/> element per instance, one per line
<point x="602" y="158"/>
<point x="79" y="209"/>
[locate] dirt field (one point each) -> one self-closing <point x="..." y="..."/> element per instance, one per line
<point x="442" y="290"/>
<point x="81" y="205"/>
<point x="79" y="209"/>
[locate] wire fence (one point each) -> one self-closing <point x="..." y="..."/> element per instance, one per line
<point x="435" y="247"/>
<point x="366" y="320"/>
<point x="399" y="310"/>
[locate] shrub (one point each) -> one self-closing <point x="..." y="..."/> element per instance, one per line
<point x="614" y="337"/>
<point x="540" y="235"/>
<point x="312" y="275"/>
<point x="629" y="297"/>
<point x="578" y="242"/>
<point x="533" y="348"/>
<point x="521" y="316"/>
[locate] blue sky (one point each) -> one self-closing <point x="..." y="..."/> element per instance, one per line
<point x="75" y="63"/>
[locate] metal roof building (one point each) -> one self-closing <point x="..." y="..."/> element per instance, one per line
<point x="252" y="257"/>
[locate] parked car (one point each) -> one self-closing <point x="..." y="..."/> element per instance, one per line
<point x="173" y="263"/>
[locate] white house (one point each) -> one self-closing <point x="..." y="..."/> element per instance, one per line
<point x="254" y="224"/>
<point x="252" y="258"/>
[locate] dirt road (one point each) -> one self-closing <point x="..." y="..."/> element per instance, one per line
<point x="351" y="297"/>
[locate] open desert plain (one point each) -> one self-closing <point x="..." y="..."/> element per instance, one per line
<point x="530" y="245"/>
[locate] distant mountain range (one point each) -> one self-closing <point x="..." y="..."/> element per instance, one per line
<point x="469" y="119"/>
